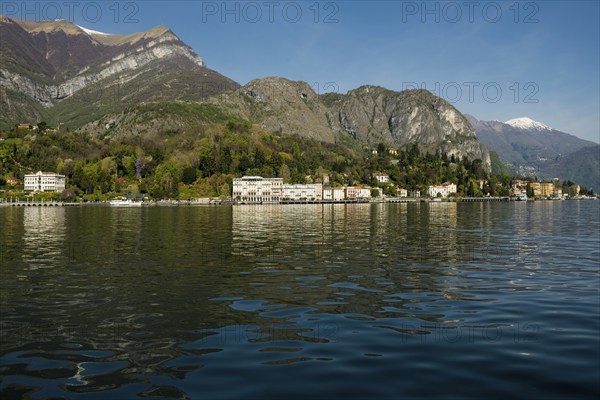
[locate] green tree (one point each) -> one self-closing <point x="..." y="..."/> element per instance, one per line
<point x="188" y="175"/>
<point x="206" y="161"/>
<point x="91" y="172"/>
<point x="477" y="169"/>
<point x="166" y="181"/>
<point x="244" y="164"/>
<point x="284" y="172"/>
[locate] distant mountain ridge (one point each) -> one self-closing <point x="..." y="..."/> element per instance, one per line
<point x="532" y="148"/>
<point x="60" y="64"/>
<point x="582" y="166"/>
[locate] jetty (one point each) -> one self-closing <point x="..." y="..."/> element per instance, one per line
<point x="482" y="199"/>
<point x="38" y="204"/>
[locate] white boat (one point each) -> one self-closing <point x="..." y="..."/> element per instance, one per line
<point x="521" y="197"/>
<point x="125" y="203"/>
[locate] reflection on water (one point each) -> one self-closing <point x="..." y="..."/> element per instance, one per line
<point x="43" y="237"/>
<point x="263" y="301"/>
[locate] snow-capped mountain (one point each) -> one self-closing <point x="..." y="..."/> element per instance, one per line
<point x="531" y="148"/>
<point x="528" y="123"/>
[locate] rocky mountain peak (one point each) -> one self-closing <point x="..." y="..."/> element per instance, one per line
<point x="50" y="62"/>
<point x="373" y="115"/>
<point x="368" y="115"/>
<point x="275" y="89"/>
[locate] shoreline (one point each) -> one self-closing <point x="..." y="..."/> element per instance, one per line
<point x="227" y="202"/>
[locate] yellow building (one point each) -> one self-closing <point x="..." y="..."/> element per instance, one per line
<point x="534" y="189"/>
<point x="547" y="188"/>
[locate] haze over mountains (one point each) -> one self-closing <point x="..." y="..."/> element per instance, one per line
<point x="532" y="148"/>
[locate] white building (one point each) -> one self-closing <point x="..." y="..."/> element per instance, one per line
<point x="445" y="189"/>
<point x="44" y="182"/>
<point x="334" y="193"/>
<point x="382" y="178"/>
<point x="256" y="189"/>
<point x="302" y="192"/>
<point x="402" y="192"/>
<point x="519" y="187"/>
<point x="358" y="192"/>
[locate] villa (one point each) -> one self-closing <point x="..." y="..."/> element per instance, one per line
<point x="381" y="178"/>
<point x="444" y="190"/>
<point x="44" y="182"/>
<point x="302" y="192"/>
<point x="256" y="189"/>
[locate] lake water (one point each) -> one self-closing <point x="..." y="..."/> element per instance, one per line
<point x="443" y="300"/>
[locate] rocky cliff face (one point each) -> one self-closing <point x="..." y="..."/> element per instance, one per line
<point x="373" y="115"/>
<point x="369" y="115"/>
<point x="54" y="61"/>
<point x="281" y="106"/>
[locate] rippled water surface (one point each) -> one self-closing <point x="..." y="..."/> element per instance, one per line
<point x="331" y="301"/>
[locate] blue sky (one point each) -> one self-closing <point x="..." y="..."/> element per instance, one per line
<point x="495" y="60"/>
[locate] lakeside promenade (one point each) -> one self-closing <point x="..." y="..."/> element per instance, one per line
<point x="230" y="201"/>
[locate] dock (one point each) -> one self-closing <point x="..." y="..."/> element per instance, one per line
<point x="38" y="204"/>
<point x="350" y="201"/>
<point x="482" y="199"/>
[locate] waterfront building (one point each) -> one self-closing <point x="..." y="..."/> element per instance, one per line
<point x="534" y="189"/>
<point x="256" y="189"/>
<point x="334" y="193"/>
<point x="444" y="190"/>
<point x="44" y="182"/>
<point x="558" y="192"/>
<point x="519" y="184"/>
<point x="518" y="187"/>
<point x="302" y="192"/>
<point x="547" y="189"/>
<point x="358" y="192"/>
<point x="401" y="192"/>
<point x="518" y="192"/>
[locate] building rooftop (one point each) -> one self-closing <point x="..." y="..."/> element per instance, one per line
<point x="44" y="173"/>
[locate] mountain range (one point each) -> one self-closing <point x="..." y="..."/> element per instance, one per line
<point x="152" y="83"/>
<point x="532" y="148"/>
<point x="64" y="73"/>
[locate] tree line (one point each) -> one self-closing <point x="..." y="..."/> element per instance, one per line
<point x="193" y="164"/>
